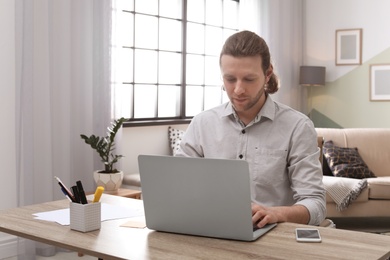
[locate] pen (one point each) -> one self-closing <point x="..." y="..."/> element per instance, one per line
<point x="76" y="194"/>
<point x="98" y="194"/>
<point x="64" y="189"/>
<point x="82" y="196"/>
<point x="66" y="195"/>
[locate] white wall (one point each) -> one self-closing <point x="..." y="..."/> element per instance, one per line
<point x="144" y="140"/>
<point x="7" y="117"/>
<point x="345" y="99"/>
<point x="324" y="17"/>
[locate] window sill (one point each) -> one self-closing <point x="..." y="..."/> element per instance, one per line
<point x="156" y="122"/>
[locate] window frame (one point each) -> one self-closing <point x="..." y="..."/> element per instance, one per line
<point x="181" y="118"/>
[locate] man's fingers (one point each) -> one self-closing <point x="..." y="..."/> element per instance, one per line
<point x="264" y="221"/>
<point x="257" y="217"/>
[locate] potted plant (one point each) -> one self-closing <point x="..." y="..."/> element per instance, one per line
<point x="110" y="178"/>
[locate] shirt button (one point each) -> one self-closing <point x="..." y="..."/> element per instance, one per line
<point x="243" y="131"/>
<point x="240" y="156"/>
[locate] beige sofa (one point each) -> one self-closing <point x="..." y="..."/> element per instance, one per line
<point x="374" y="147"/>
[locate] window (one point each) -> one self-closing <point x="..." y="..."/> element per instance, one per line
<point x="168" y="57"/>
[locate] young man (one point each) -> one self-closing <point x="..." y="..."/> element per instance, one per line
<point x="279" y="143"/>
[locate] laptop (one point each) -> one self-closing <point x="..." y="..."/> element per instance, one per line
<point x="198" y="196"/>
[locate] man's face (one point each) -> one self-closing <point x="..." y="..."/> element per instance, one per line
<point x="244" y="81"/>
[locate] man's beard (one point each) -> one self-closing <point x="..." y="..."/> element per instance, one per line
<point x="252" y="101"/>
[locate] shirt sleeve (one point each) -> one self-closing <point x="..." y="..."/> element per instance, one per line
<point x="190" y="145"/>
<point x="306" y="174"/>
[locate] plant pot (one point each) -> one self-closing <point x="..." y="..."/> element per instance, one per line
<point x="110" y="181"/>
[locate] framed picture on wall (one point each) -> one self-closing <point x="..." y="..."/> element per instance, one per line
<point x="380" y="82"/>
<point x="349" y="47"/>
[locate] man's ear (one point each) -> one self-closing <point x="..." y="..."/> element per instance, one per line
<point x="223" y="87"/>
<point x="269" y="72"/>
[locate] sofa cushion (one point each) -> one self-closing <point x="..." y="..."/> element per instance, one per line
<point x="175" y="136"/>
<point x="346" y="162"/>
<point x="379" y="188"/>
<point x="372" y="143"/>
<point x="326" y="171"/>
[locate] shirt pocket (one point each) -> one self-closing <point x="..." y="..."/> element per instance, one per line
<point x="269" y="166"/>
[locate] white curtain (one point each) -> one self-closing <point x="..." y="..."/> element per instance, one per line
<point x="280" y="23"/>
<point x="62" y="91"/>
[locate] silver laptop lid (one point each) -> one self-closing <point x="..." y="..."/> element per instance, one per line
<point x="197" y="196"/>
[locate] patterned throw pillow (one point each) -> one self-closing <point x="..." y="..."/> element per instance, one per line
<point x="175" y="136"/>
<point x="346" y="162"/>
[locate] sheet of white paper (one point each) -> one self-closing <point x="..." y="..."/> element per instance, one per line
<point x="60" y="216"/>
<point x="109" y="212"/>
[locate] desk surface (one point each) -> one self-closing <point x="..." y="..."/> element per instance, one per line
<point x="115" y="242"/>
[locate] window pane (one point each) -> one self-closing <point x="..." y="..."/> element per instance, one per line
<point x="125" y="38"/>
<point x="195" y="10"/>
<point x="125" y="65"/>
<point x="171" y="8"/>
<point x="195" y="38"/>
<point x="169" y="68"/>
<point x="169" y="101"/>
<point x="195" y="69"/>
<point x="212" y="71"/>
<point x="127" y="5"/>
<point x="145" y="66"/>
<point x="146" y="6"/>
<point x="145" y="101"/>
<point x="227" y="33"/>
<point x="146" y="32"/>
<point x="212" y="97"/>
<point x="214" y="12"/>
<point x="213" y="40"/>
<point x="230" y="16"/>
<point x="194" y="100"/>
<point x="123" y="93"/>
<point x="170" y="35"/>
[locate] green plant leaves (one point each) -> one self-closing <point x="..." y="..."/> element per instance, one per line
<point x="105" y="146"/>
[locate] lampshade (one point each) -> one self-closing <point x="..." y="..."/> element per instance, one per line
<point x="312" y="76"/>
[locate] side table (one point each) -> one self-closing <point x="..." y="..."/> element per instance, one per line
<point x="127" y="193"/>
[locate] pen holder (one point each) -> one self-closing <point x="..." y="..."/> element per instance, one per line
<point x="85" y="217"/>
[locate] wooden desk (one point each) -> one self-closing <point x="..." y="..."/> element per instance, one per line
<point x="115" y="242"/>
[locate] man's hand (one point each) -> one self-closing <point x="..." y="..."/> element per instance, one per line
<point x="262" y="215"/>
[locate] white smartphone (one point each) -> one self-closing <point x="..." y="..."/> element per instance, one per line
<point x="307" y="235"/>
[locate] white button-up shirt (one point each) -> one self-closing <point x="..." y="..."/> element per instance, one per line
<point x="280" y="145"/>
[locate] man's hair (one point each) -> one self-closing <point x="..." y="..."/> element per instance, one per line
<point x="249" y="44"/>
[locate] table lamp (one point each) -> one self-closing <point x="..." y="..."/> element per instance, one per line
<point x="311" y="76"/>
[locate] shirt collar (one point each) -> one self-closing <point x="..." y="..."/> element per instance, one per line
<point x="267" y="111"/>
